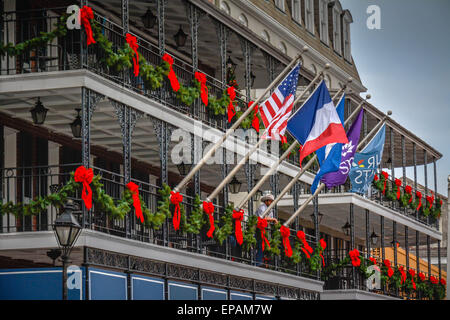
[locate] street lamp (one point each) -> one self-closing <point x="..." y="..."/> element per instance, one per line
<point x="67" y="229"/>
<point x="184" y="168"/>
<point x="231" y="65"/>
<point x="39" y="112"/>
<point x="234" y="185"/>
<point x="75" y="126"/>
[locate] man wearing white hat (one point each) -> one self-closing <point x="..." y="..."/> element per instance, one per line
<point x="266" y="199"/>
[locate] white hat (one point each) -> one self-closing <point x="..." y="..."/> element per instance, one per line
<point x="267" y="195"/>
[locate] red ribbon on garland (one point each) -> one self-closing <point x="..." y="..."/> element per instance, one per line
<point x="419" y="195"/>
<point x="85" y="176"/>
<point x="86" y="14"/>
<point x="354" y="255"/>
<point x="176" y="198"/>
<point x="398" y="183"/>
<point x="208" y="207"/>
<point x="430" y="200"/>
<point x="255" y="121"/>
<point x="172" y="76"/>
<point x="134" y="188"/>
<point x="386" y="176"/>
<point x="203" y="89"/>
<point x="307" y="250"/>
<point x="412" y="273"/>
<point x="262" y="225"/>
<point x="285" y="233"/>
<point x="323" y="244"/>
<point x="283" y="139"/>
<point x="132" y="42"/>
<point x="408" y="190"/>
<point x="238" y="216"/>
<point x="387" y="263"/>
<point x="403" y="274"/>
<point x="231" y="110"/>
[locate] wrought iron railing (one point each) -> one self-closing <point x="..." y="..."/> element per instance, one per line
<point x="23" y="184"/>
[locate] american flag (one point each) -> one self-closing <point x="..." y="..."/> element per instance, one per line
<point x="276" y="110"/>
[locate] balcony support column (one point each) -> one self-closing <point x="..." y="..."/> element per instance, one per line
<point x="415" y="173"/>
<point x="429" y="254"/>
<point x="295" y="189"/>
<point x="250" y="174"/>
<point x="125" y="16"/>
<point x="394" y="240"/>
<point x="89" y="100"/>
<point x="418" y="251"/>
<point x="425" y="173"/>
<point x="435" y="187"/>
<point x="404" y="160"/>
<point x="367" y="234"/>
<point x="392" y="154"/>
<point x="352" y="241"/>
<point x="193" y="16"/>
<point x="383" y="252"/>
<point x="439" y="260"/>
<point x="407" y="247"/>
<point x="247" y="50"/>
<point x="274" y="185"/>
<point x="161" y="4"/>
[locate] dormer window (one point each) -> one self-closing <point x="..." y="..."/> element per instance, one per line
<point x="280" y="4"/>
<point x="296" y="11"/>
<point x="346" y="21"/>
<point x="309" y="15"/>
<point x="337" y="38"/>
<point x="323" y="15"/>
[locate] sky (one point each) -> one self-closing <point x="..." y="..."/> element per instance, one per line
<point x="405" y="65"/>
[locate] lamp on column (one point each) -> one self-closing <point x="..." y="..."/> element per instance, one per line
<point x="231" y="65"/>
<point x="319" y="216"/>
<point x="252" y="77"/>
<point x="184" y="168"/>
<point x="75" y="126"/>
<point x="149" y="19"/>
<point x="180" y="38"/>
<point x="374" y="238"/>
<point x="234" y="185"/>
<point x="39" y="112"/>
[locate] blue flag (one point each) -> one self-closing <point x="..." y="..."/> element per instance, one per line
<point x="366" y="163"/>
<point x="329" y="157"/>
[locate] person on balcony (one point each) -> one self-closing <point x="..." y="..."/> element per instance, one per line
<point x="266" y="199"/>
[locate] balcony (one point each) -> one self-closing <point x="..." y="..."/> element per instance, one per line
<point x="25" y="184"/>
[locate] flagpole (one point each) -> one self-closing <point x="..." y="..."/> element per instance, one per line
<point x="216" y="146"/>
<point x="256" y="146"/>
<point x="321" y="186"/>
<point x="308" y="164"/>
<point x="281" y="159"/>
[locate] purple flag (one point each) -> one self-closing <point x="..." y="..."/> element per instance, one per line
<point x="339" y="177"/>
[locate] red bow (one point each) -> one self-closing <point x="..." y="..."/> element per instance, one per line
<point x="386" y="176"/>
<point x="375" y="178"/>
<point x="434" y="280"/>
<point x="387" y="263"/>
<point x="431" y="199"/>
<point x="132" y="42"/>
<point x="255" y="121"/>
<point x="307" y="250"/>
<point x="408" y="190"/>
<point x="283" y="139"/>
<point x="403" y="274"/>
<point x="176" y="198"/>
<point x="354" y="255"/>
<point x="419" y="195"/>
<point x="208" y="207"/>
<point x="398" y="183"/>
<point x="262" y="225"/>
<point x="285" y="233"/>
<point x="172" y="76"/>
<point x="204" y="89"/>
<point x="238" y="216"/>
<point x="136" y="201"/>
<point x="86" y="14"/>
<point x="231" y="110"/>
<point x="373" y="260"/>
<point x="421" y="276"/>
<point x="323" y="244"/>
<point x="85" y="176"/>
<point x="412" y="273"/>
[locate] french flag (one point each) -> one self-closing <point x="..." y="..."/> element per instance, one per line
<point x="317" y="123"/>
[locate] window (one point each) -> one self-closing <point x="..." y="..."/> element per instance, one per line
<point x="283" y="47"/>
<point x="296" y="11"/>
<point x="280" y="4"/>
<point x="323" y="15"/>
<point x="225" y="7"/>
<point x="309" y="15"/>
<point x="243" y="20"/>
<point x="347" y="19"/>
<point x="337" y="28"/>
<point x="265" y="35"/>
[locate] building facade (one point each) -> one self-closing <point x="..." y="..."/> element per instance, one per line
<point x="128" y="128"/>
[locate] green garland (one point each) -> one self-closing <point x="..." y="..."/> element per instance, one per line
<point x="223" y="232"/>
<point x="331" y="269"/>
